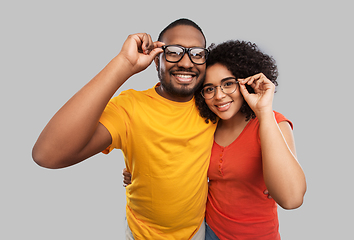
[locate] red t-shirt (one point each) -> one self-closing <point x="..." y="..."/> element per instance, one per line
<point x="237" y="208"/>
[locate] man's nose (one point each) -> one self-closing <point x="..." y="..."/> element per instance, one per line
<point x="185" y="62"/>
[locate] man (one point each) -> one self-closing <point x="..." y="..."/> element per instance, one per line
<point x="166" y="144"/>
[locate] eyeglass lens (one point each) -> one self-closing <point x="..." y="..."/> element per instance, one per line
<point x="229" y="86"/>
<point x="175" y="54"/>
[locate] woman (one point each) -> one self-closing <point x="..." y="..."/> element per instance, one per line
<point x="253" y="147"/>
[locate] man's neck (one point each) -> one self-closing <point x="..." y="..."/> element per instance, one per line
<point x="162" y="92"/>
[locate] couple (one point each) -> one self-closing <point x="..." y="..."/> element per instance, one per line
<point x="167" y="145"/>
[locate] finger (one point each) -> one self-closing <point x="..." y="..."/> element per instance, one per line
<point x="147" y="43"/>
<point x="244" y="90"/>
<point x="257" y="83"/>
<point x="143" y="41"/>
<point x="127" y="178"/>
<point x="127" y="181"/>
<point x="244" y="80"/>
<point x="125" y="173"/>
<point x="156" y="49"/>
<point x="158" y="44"/>
<point x="267" y="193"/>
<point x="263" y="84"/>
<point x="256" y="80"/>
<point x="250" y="80"/>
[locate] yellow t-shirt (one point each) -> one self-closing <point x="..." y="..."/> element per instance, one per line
<point x="166" y="147"/>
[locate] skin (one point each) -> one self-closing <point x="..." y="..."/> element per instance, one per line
<point x="180" y="80"/>
<point x="75" y="134"/>
<point x="283" y="176"/>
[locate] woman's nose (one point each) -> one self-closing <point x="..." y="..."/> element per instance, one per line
<point x="219" y="93"/>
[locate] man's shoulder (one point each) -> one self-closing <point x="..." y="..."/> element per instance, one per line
<point x="132" y="93"/>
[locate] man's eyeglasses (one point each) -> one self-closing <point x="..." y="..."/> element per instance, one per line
<point x="228" y="86"/>
<point x="174" y="53"/>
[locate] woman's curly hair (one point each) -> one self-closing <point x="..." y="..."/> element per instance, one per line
<point x="243" y="59"/>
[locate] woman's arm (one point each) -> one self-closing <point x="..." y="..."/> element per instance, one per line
<point x="283" y="175"/>
<point x="282" y="172"/>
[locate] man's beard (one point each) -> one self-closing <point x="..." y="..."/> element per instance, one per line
<point x="182" y="91"/>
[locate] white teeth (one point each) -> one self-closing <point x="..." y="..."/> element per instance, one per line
<point x="221" y="106"/>
<point x="184" y="76"/>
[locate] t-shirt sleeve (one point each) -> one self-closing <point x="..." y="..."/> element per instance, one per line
<point x="281" y="118"/>
<point x="115" y="118"/>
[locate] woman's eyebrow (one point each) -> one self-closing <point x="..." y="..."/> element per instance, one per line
<point x="222" y="80"/>
<point x="227" y="78"/>
<point x="208" y="84"/>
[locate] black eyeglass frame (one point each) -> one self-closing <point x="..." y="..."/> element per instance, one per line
<point x="188" y="50"/>
<point x="225" y="79"/>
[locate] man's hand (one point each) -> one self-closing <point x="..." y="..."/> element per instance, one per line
<point x="139" y="50"/>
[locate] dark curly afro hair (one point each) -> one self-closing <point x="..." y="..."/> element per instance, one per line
<point x="243" y="59"/>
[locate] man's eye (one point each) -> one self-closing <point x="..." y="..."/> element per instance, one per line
<point x="173" y="53"/>
<point x="197" y="55"/>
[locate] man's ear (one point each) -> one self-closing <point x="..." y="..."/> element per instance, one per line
<point x="157" y="62"/>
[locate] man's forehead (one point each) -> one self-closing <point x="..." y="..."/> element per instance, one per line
<point x="184" y="35"/>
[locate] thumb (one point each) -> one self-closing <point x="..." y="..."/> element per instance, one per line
<point x="155" y="52"/>
<point x="156" y="49"/>
<point x="243" y="90"/>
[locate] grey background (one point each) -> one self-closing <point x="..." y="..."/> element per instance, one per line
<point x="50" y="49"/>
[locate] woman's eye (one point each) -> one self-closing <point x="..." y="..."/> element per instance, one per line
<point x="209" y="89"/>
<point x="229" y="84"/>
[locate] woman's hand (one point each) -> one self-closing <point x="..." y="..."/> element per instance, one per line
<point x="127" y="177"/>
<point x="262" y="100"/>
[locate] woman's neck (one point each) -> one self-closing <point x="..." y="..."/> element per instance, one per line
<point x="228" y="130"/>
<point x="232" y="123"/>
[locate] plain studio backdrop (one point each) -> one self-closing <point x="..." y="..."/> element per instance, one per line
<point x="50" y="49"/>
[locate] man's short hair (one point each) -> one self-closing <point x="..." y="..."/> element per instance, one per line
<point x="181" y="21"/>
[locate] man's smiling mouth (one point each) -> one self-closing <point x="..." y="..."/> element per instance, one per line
<point x="184" y="77"/>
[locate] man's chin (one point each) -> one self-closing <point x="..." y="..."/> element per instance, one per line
<point x="181" y="90"/>
<point x="184" y="90"/>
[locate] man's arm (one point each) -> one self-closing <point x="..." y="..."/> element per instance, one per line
<point x="74" y="133"/>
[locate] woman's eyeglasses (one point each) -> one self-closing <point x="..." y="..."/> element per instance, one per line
<point x="228" y="86"/>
